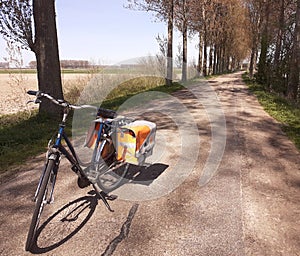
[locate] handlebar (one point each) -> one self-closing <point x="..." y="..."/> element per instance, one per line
<point x="58" y="102"/>
<point x="101" y="112"/>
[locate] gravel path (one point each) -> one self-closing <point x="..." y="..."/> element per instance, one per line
<point x="250" y="206"/>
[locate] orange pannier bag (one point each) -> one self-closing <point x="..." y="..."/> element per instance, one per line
<point x="91" y="139"/>
<point x="135" y="141"/>
<point x="91" y="136"/>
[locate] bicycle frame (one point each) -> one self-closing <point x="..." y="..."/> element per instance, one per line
<point x="56" y="150"/>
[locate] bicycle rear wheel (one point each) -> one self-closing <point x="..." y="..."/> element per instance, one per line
<point x="108" y="172"/>
<point x="42" y="199"/>
<point x="111" y="177"/>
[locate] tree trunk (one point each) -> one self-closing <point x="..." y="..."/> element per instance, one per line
<point x="252" y="62"/>
<point x="184" y="52"/>
<point x="223" y="59"/>
<point x="46" y="51"/>
<point x="210" y="60"/>
<point x="233" y="66"/>
<point x="215" y="59"/>
<point x="262" y="64"/>
<point x="228" y="65"/>
<point x="199" y="67"/>
<point x="218" y="64"/>
<point x="279" y="36"/>
<point x="293" y="85"/>
<point x="169" y="78"/>
<point x="205" y="53"/>
<point x="277" y="69"/>
<point x="184" y="43"/>
<point x="262" y="73"/>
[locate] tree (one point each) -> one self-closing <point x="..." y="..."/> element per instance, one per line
<point x="263" y="74"/>
<point x="182" y="19"/>
<point x="170" y="17"/>
<point x="275" y="34"/>
<point x="161" y="56"/>
<point x="223" y="35"/>
<point x="164" y="10"/>
<point x="199" y="20"/>
<point x="196" y="26"/>
<point x="40" y="37"/>
<point x="254" y="22"/>
<point x="293" y="85"/>
<point x="178" y="59"/>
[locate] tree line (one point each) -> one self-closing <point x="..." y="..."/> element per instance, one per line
<point x="67" y="64"/>
<point x="275" y="36"/>
<point x="267" y="33"/>
<point x="219" y="25"/>
<point x="229" y="31"/>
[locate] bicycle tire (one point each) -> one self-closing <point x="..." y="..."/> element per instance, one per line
<point x="109" y="177"/>
<point x="39" y="205"/>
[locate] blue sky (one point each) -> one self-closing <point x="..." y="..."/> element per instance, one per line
<point x="104" y="32"/>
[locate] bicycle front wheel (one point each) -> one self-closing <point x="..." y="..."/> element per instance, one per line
<point x="43" y="198"/>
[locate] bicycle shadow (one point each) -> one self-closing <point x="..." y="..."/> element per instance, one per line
<point x="64" y="224"/>
<point x="144" y="175"/>
<point x="72" y="217"/>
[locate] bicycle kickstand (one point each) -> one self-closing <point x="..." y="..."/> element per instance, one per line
<point x="103" y="196"/>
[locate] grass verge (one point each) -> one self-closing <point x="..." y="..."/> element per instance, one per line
<point x="116" y="101"/>
<point x="23" y="136"/>
<point x="283" y="111"/>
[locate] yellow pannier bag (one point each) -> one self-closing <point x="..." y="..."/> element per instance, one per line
<point x="135" y="141"/>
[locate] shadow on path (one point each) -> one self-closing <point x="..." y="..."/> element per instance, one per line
<point x="64" y="224"/>
<point x="145" y="175"/>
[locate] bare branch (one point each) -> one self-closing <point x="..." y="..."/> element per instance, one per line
<point x="16" y="22"/>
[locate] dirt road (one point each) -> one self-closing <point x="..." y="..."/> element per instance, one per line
<point x="250" y="206"/>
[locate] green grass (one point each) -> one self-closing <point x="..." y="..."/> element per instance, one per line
<point x="141" y="84"/>
<point x="114" y="103"/>
<point x="278" y="107"/>
<point x="22" y="137"/>
<point x="17" y="71"/>
<point x="135" y="85"/>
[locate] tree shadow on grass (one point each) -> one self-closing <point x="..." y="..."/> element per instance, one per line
<point x="64" y="224"/>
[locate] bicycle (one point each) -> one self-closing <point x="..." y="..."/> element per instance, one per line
<point x="104" y="172"/>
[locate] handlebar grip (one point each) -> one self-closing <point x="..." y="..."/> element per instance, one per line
<point x="106" y="113"/>
<point x="34" y="93"/>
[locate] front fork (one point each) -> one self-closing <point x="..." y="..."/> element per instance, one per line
<point x="53" y="176"/>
